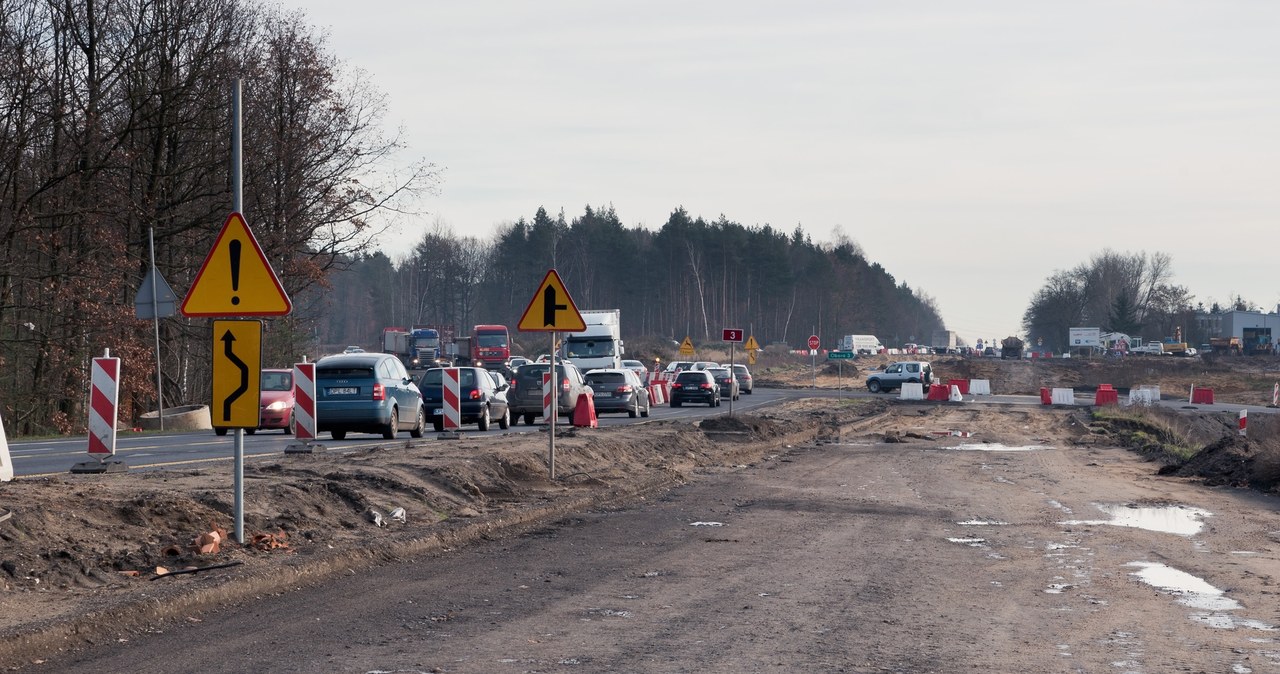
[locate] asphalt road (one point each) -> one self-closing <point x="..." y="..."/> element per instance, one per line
<point x="168" y="450"/>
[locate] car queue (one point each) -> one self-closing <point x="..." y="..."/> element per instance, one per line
<point x="370" y="392"/>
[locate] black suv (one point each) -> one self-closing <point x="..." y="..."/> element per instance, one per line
<point x="695" y="386"/>
<point x="480" y="400"/>
<point x="526" y="390"/>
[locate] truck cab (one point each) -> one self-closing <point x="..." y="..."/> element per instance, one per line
<point x="599" y="346"/>
<point x="490" y="347"/>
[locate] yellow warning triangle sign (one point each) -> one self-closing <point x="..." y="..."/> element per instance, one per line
<point x="686" y="347"/>
<point x="236" y="279"/>
<point x="751" y="343"/>
<point x="551" y="309"/>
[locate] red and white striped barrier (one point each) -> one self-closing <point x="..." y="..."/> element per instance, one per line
<point x="656" y="395"/>
<point x="546" y="396"/>
<point x="1244" y="422"/>
<point x="452" y="405"/>
<point x="6" y="465"/>
<point x="103" y="411"/>
<point x="304" y="401"/>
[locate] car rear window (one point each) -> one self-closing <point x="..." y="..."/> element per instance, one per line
<point x="719" y="373"/>
<point x="532" y="372"/>
<point x="466" y="377"/>
<point x="605" y="378"/>
<point x="692" y="378"/>
<point x="345" y="372"/>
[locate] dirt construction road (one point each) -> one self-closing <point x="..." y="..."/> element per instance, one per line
<point x="1000" y="553"/>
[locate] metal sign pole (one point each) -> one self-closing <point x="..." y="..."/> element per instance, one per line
<point x="155" y="317"/>
<point x="732" y="376"/>
<point x="237" y="203"/>
<point x="555" y="398"/>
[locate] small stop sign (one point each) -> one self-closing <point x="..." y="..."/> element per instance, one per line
<point x="814" y="342"/>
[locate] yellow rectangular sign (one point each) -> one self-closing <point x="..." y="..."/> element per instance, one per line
<point x="237" y="374"/>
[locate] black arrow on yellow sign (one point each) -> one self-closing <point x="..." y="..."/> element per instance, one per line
<point x="228" y="340"/>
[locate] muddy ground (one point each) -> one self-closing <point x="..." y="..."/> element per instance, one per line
<point x="80" y="552"/>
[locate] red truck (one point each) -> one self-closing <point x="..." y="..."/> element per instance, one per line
<point x="490" y="346"/>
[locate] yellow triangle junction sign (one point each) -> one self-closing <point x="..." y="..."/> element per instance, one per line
<point x="551" y="309"/>
<point x="236" y="279"/>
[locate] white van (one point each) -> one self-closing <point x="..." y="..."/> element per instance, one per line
<point x="861" y="344"/>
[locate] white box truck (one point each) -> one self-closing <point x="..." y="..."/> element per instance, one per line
<point x="599" y="346"/>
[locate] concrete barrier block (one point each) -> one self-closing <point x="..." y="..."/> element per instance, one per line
<point x="1064" y="396"/>
<point x="911" y="392"/>
<point x="980" y="387"/>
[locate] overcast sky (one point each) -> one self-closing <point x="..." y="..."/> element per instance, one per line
<point x="971" y="148"/>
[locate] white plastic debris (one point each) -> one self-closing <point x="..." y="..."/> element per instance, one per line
<point x="398" y="515"/>
<point x="375" y="517"/>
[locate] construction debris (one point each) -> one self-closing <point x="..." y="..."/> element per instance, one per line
<point x="375" y="517"/>
<point x="399" y="515"/>
<point x="267" y="542"/>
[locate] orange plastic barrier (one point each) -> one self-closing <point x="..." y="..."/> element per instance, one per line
<point x="1046" y="398"/>
<point x="962" y="384"/>
<point x="584" y="413"/>
<point x="1202" y="396"/>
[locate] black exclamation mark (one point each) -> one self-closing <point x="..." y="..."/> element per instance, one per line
<point x="234" y="249"/>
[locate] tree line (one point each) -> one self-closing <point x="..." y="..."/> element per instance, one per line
<point x="115" y="125"/>
<point x="1130" y="293"/>
<point x="690" y="277"/>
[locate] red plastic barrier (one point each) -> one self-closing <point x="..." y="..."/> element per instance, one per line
<point x="1202" y="396"/>
<point x="939" y="392"/>
<point x="584" y="413"/>
<point x="962" y="384"/>
<point x="1046" y="398"/>
<point x="1106" y="396"/>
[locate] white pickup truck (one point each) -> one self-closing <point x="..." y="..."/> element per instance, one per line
<point x="1149" y="349"/>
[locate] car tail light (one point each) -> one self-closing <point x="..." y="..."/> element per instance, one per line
<point x="626" y="388"/>
<point x="475" y="394"/>
<point x="564" y="384"/>
<point x="705" y="386"/>
<point x="677" y="385"/>
<point x="379" y="392"/>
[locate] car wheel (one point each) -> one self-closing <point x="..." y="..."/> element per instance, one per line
<point x="874" y="386"/>
<point x="675" y="403"/>
<point x="293" y="426"/>
<point x="634" y="411"/>
<point x="528" y="419"/>
<point x="504" y="422"/>
<point x="219" y="431"/>
<point x="420" y="425"/>
<point x="338" y="435"/>
<point x="250" y="431"/>
<point x="438" y="424"/>
<point x="390" y="431"/>
<point x="483" y="424"/>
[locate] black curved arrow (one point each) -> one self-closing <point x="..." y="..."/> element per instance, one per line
<point x="228" y="339"/>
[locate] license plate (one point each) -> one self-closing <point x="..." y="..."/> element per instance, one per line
<point x="604" y="395"/>
<point x="437" y="412"/>
<point x="343" y="390"/>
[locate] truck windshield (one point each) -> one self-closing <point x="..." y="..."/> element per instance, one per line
<point x="491" y="339"/>
<point x="588" y="348"/>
